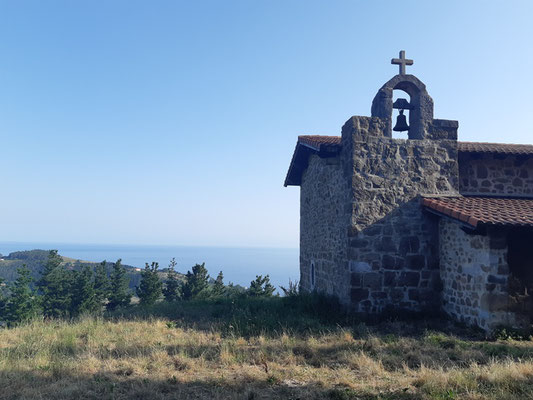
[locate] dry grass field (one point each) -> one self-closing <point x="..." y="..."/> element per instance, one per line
<point x="269" y="349"/>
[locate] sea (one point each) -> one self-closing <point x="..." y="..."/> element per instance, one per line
<point x="240" y="265"/>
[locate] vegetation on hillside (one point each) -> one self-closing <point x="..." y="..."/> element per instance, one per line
<point x="61" y="292"/>
<point x="35" y="261"/>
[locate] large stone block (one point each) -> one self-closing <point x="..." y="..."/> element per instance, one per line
<point x="386" y="244"/>
<point x="397" y="295"/>
<point x="409" y="279"/>
<point x="391" y="262"/>
<point x="373" y="230"/>
<point x="360" y="266"/>
<point x="390" y="279"/>
<point x="410" y="244"/>
<point x="501" y="280"/>
<point x="373" y="280"/>
<point x="356" y="279"/>
<point x="358" y="242"/>
<point x="358" y="294"/>
<point x="415" y="261"/>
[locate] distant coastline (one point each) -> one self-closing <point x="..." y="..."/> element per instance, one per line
<point x="239" y="264"/>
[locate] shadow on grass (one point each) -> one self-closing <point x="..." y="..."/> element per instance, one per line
<point x="303" y="315"/>
<point x="394" y="355"/>
<point x="245" y="316"/>
<point x="57" y="383"/>
<point x="61" y="385"/>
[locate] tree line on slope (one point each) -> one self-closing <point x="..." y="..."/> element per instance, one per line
<point x="66" y="293"/>
<point x="34" y="260"/>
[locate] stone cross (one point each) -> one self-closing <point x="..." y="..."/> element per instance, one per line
<point x="402" y="62"/>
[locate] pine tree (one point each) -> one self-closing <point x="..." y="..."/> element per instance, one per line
<point x="197" y="282"/>
<point x="22" y="304"/>
<point x="55" y="285"/>
<point x="84" y="299"/>
<point x="3" y="300"/>
<point x="219" y="289"/>
<point x="172" y="284"/>
<point x="150" y="288"/>
<point x="261" y="287"/>
<point x="119" y="295"/>
<point x="101" y="283"/>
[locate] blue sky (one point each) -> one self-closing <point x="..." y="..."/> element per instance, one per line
<point x="173" y="122"/>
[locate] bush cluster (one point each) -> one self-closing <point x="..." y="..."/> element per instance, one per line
<point x="197" y="285"/>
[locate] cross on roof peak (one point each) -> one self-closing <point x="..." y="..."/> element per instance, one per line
<point x="402" y="62"/>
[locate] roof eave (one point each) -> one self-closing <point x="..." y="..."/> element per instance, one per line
<point x="457" y="220"/>
<point x="300" y="159"/>
<point x="292" y="176"/>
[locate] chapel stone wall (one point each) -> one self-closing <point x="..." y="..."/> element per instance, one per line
<point x="496" y="174"/>
<point x="324" y="221"/>
<point x="475" y="275"/>
<point x="393" y="245"/>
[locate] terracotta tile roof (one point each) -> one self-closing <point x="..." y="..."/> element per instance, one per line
<point x="324" y="146"/>
<point x="474" y="211"/>
<point x="502" y="148"/>
<point x="315" y="141"/>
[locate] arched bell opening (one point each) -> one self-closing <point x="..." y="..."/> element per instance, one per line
<point x="415" y="123"/>
<point x="420" y="114"/>
<point x="401" y="114"/>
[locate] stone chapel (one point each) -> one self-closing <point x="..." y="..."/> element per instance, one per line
<point x="426" y="223"/>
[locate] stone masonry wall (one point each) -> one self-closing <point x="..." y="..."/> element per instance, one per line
<point x="474" y="276"/>
<point x="324" y="221"/>
<point x="393" y="245"/>
<point x="496" y="174"/>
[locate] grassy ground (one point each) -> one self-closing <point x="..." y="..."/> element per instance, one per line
<point x="272" y="349"/>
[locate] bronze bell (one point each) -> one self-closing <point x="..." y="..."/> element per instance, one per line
<point x="401" y="123"/>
